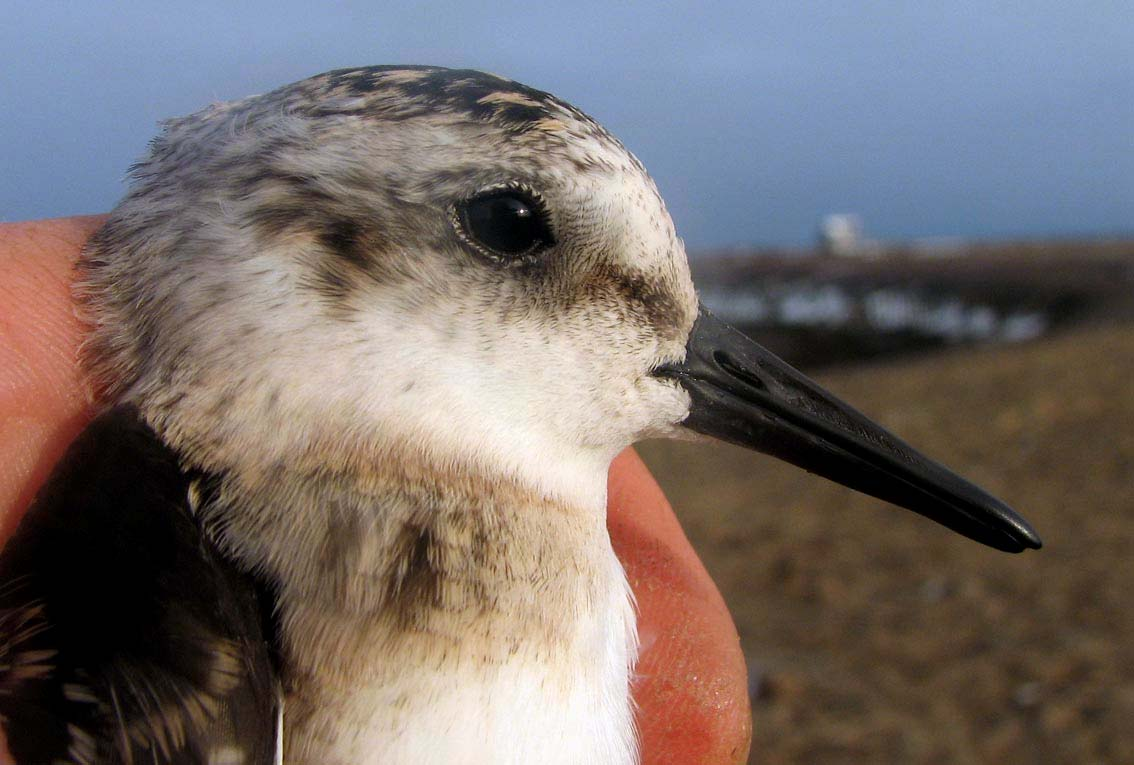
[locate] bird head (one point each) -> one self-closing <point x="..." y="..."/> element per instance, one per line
<point x="417" y="260"/>
<point x="448" y="267"/>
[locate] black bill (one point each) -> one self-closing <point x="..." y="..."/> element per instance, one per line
<point x="744" y="394"/>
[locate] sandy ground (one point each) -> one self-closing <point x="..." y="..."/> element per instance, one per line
<point x="874" y="635"/>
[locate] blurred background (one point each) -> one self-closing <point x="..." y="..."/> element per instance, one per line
<point x="928" y="206"/>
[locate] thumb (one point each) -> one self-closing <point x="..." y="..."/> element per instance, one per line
<point x="691" y="686"/>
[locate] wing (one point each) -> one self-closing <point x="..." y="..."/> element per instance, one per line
<point x="125" y="637"/>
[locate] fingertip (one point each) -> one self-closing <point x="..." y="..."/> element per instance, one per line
<point x="43" y="404"/>
<point x="691" y="682"/>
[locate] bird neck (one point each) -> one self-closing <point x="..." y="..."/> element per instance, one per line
<point x="406" y="586"/>
<point x="446" y="552"/>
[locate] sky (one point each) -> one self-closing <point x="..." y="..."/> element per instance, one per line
<point x="966" y="119"/>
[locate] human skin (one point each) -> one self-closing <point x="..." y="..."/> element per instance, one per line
<point x="690" y="683"/>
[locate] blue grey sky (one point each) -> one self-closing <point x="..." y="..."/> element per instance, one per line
<point x="976" y="119"/>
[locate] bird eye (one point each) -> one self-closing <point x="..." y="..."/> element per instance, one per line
<point x="508" y="224"/>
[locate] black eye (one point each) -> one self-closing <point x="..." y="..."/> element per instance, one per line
<point x="508" y="224"/>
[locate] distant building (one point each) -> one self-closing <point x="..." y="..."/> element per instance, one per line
<point x="841" y="234"/>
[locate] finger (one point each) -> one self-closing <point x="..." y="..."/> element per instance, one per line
<point x="42" y="401"/>
<point x="691" y="683"/>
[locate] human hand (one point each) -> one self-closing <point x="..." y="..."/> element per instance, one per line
<point x="691" y="687"/>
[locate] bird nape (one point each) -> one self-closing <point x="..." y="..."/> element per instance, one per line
<point x="367" y="345"/>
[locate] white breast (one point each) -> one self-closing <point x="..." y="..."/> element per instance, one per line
<point x="570" y="708"/>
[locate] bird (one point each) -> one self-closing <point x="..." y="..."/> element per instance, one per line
<point x="365" y="347"/>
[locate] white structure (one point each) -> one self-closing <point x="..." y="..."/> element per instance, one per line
<point x="841" y="234"/>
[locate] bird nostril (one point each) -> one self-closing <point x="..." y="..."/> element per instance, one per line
<point x="734" y="370"/>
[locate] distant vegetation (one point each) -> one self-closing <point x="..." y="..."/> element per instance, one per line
<point x="817" y="310"/>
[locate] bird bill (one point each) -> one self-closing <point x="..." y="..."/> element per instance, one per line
<point x="746" y="395"/>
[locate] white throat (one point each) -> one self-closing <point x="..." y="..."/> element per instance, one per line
<point x="431" y="614"/>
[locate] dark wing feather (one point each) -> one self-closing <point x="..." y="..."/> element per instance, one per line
<point x="125" y="637"/>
